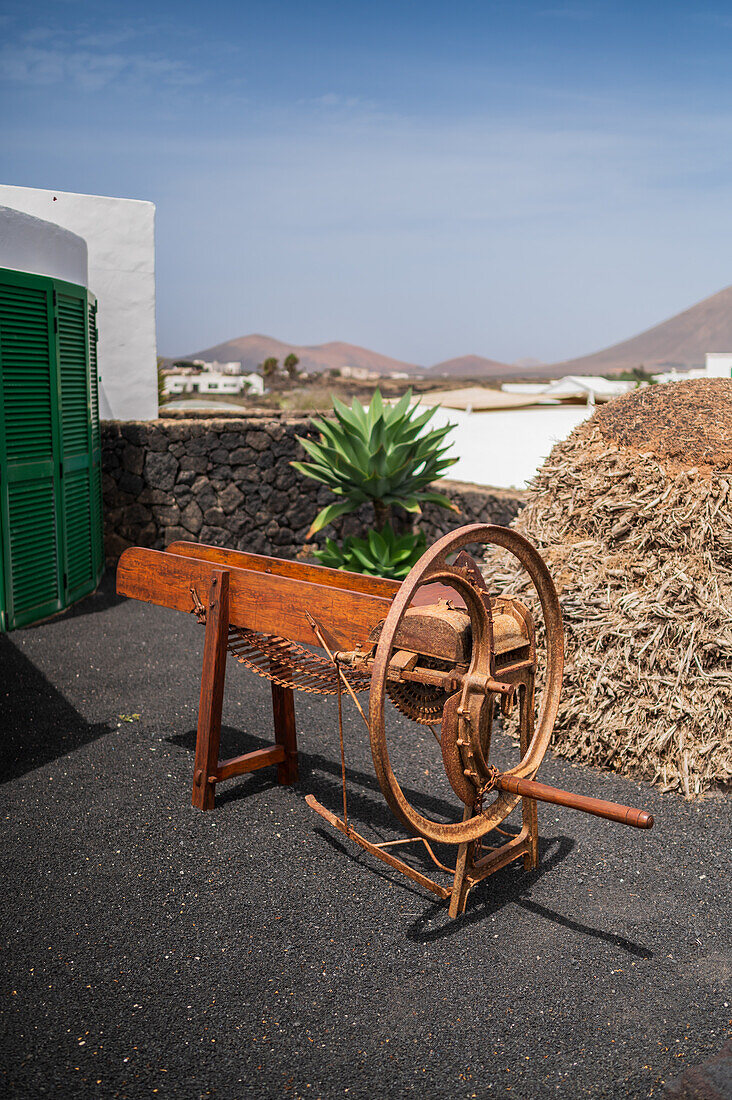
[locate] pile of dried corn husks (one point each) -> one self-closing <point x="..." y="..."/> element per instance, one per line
<point x="637" y="533"/>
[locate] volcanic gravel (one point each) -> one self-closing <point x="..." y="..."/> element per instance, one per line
<point x="248" y="952"/>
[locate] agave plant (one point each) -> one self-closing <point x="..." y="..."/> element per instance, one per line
<point x="381" y="554"/>
<point x="380" y="454"/>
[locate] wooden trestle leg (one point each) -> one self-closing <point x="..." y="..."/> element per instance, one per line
<point x="208" y="770"/>
<point x="208" y="734"/>
<point x="285" y="732"/>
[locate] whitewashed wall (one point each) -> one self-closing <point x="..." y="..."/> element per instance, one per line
<point x="505" y="448"/>
<point x="120" y="237"/>
<point x="41" y="248"/>
<point x="719" y="364"/>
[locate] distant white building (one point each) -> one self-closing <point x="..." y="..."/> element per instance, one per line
<point x="524" y="389"/>
<point x="212" y="382"/>
<point x="573" y="387"/>
<point x="207" y="382"/>
<point x="256" y="382"/>
<point x="360" y="374"/>
<point x="719" y="364"/>
<point x="674" y="375"/>
<point x="222" y="368"/>
<point x="591" y="388"/>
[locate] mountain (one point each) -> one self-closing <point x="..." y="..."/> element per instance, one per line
<point x="473" y="366"/>
<point x="253" y="350"/>
<point x="528" y="363"/>
<point x="681" y="342"/>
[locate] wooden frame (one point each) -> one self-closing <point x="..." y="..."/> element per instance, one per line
<point x="257" y="593"/>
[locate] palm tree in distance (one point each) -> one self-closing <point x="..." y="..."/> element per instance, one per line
<point x="290" y="365"/>
<point x="269" y="369"/>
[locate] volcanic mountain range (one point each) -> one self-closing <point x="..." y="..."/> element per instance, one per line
<point x="681" y="342"/>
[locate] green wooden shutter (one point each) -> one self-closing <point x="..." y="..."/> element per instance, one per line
<point x="73" y="377"/>
<point x="96" y="440"/>
<point x="29" y="500"/>
<point x="50" y="457"/>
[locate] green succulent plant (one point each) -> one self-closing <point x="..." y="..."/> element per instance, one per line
<point x="380" y="454"/>
<point x="381" y="554"/>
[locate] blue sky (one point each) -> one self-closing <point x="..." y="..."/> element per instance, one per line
<point x="508" y="179"/>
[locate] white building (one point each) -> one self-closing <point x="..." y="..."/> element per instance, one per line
<point x="573" y="387"/>
<point x="212" y="382"/>
<point x="719" y="364"/>
<point x="208" y="382"/>
<point x="221" y="368"/>
<point x="120" y="241"/>
<point x="360" y="374"/>
<point x="524" y="389"/>
<point x="256" y="382"/>
<point x="590" y="388"/>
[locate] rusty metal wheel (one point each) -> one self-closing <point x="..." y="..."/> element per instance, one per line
<point x="433" y="567"/>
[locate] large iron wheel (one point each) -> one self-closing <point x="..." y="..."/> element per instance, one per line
<point x="433" y="567"/>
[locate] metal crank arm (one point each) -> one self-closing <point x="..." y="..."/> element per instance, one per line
<point x="374" y="849"/>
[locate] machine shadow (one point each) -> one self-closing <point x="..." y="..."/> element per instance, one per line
<point x="233" y="743"/>
<point x="369" y="813"/>
<point x="507" y="887"/>
<point x="320" y="776"/>
<point x="38" y="723"/>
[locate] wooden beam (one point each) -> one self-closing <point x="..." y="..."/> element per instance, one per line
<point x="248" y="762"/>
<point x="259" y="601"/>
<point x="281" y="567"/>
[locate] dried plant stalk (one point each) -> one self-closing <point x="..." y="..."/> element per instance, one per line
<point x="640" y="548"/>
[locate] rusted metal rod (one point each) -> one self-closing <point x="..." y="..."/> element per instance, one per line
<point x="625" y="815"/>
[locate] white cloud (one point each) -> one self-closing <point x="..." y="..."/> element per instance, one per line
<point x="89" y="61"/>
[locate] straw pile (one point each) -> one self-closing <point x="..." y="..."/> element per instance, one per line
<point x="633" y="515"/>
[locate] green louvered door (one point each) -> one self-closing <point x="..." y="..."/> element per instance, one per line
<point x="76" y="457"/>
<point x="30" y="505"/>
<point x="49" y="510"/>
<point x="96" y="440"/>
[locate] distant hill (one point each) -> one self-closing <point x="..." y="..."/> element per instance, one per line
<point x="253" y="350"/>
<point x="681" y="342"/>
<point x="528" y="363"/>
<point x="473" y="366"/>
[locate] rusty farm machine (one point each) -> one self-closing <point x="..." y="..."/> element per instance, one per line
<point x="437" y="647"/>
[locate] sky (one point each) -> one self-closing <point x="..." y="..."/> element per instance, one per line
<point x="506" y="178"/>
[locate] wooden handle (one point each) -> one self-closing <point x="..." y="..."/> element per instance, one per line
<point x="626" y="815"/>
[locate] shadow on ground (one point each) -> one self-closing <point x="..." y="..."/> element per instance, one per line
<point x="369" y="813"/>
<point x="39" y="724"/>
<point x="103" y="599"/>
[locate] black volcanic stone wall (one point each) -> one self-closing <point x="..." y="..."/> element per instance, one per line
<point x="229" y="482"/>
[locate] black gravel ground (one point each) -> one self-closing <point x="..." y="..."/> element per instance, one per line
<point x="151" y="949"/>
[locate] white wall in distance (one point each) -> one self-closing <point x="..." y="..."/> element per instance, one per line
<point x="719" y="364"/>
<point x="41" y="248"/>
<point x="506" y="447"/>
<point x="120" y="237"/>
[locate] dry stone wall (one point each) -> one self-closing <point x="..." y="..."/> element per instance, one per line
<point x="229" y="482"/>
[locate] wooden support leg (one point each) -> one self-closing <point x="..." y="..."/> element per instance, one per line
<point x="285" y="732"/>
<point x="212" y="690"/>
